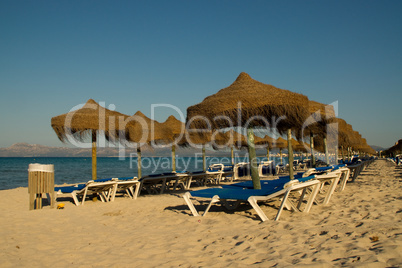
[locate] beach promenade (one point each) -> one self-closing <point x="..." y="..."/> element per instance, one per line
<point x="361" y="227"/>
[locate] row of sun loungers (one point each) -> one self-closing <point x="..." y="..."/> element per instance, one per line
<point x="315" y="186"/>
<point x="106" y="189"/>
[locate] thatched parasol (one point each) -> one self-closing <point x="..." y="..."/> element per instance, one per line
<point x="266" y="141"/>
<point x="321" y="116"/>
<point x="231" y="138"/>
<point x="90" y="120"/>
<point x="177" y="128"/>
<point x="281" y="144"/>
<point x="248" y="103"/>
<point x="145" y="131"/>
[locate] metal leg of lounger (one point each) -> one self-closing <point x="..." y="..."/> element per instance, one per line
<point x="253" y="202"/>
<point x="190" y="204"/>
<point x="163" y="185"/>
<point x="285" y="197"/>
<point x="137" y="190"/>
<point x="113" y="190"/>
<point x="316" y="189"/>
<point x="301" y="198"/>
<point x="74" y="195"/>
<point x="345" y="177"/>
<point x="214" y="200"/>
<point x="188" y="184"/>
<point x="84" y="196"/>
<point x="334" y="183"/>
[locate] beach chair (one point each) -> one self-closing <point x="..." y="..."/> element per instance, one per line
<point x="127" y="185"/>
<point x="279" y="189"/>
<point x="158" y="183"/>
<point x="266" y="168"/>
<point x="104" y="189"/>
<point x="241" y="171"/>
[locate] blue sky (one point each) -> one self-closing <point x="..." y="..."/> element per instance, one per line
<point x="57" y="54"/>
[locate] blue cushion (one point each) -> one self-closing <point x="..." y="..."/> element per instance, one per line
<point x="70" y="189"/>
<point x="232" y="193"/>
<point x="103" y="180"/>
<point x="125" y="179"/>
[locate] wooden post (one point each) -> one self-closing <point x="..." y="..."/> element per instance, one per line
<point x="280" y="154"/>
<point x="232" y="154"/>
<point x="139" y="162"/>
<point x="204" y="160"/>
<point x="312" y="150"/>
<point x="267" y="153"/>
<point x="93" y="155"/>
<point x="173" y="158"/>
<point x="326" y="151"/>
<point x="290" y="154"/>
<point x="253" y="159"/>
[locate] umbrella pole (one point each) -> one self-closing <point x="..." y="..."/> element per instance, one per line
<point x="232" y="154"/>
<point x="290" y="154"/>
<point x="267" y="153"/>
<point x="139" y="161"/>
<point x="280" y="154"/>
<point x="93" y="155"/>
<point x="253" y="159"/>
<point x="94" y="196"/>
<point x="312" y="150"/>
<point x="204" y="161"/>
<point x="173" y="158"/>
<point x="343" y="156"/>
<point x="326" y="151"/>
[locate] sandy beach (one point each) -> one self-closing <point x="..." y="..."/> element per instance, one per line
<point x="361" y="227"/>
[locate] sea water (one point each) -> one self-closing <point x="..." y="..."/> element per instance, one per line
<point x="69" y="170"/>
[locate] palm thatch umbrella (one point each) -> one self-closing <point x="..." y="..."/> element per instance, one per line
<point x="343" y="136"/>
<point x="145" y="131"/>
<point x="177" y="129"/>
<point x="281" y="144"/>
<point x="266" y="141"/>
<point x="232" y="139"/>
<point x="90" y="120"/>
<point x="321" y="116"/>
<point x="249" y="104"/>
<point x="196" y="138"/>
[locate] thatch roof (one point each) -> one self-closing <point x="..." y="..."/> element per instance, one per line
<point x="266" y="141"/>
<point x="321" y="115"/>
<point x="143" y="130"/>
<point x="89" y="119"/>
<point x="280" y="143"/>
<point x="176" y="126"/>
<point x="246" y="98"/>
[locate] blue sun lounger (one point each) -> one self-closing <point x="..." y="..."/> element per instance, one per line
<point x="240" y="194"/>
<point x="104" y="188"/>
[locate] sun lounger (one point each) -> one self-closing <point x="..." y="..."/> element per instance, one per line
<point x="280" y="189"/>
<point x="127" y="185"/>
<point x="241" y="170"/>
<point x="105" y="189"/>
<point x="266" y="168"/>
<point x="158" y="183"/>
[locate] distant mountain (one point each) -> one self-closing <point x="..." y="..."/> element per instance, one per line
<point x="377" y="148"/>
<point x="37" y="150"/>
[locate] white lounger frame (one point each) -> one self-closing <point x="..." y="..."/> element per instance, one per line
<point x="284" y="193"/>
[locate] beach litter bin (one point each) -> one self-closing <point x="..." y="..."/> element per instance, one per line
<point x="40" y="181"/>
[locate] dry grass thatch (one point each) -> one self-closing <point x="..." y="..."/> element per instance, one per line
<point x="259" y="101"/>
<point x="266" y="141"/>
<point x="280" y="143"/>
<point x="143" y="130"/>
<point x="321" y="116"/>
<point x="88" y="120"/>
